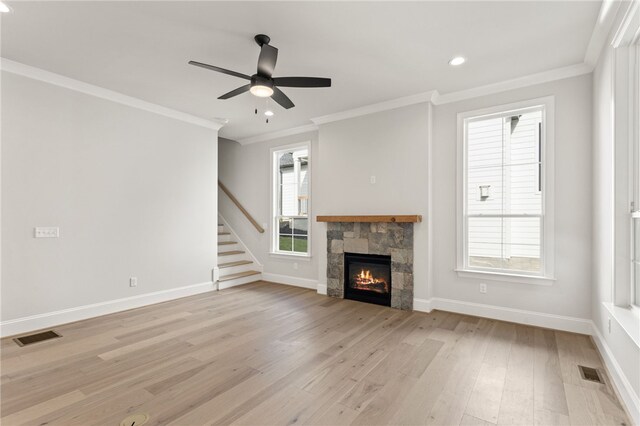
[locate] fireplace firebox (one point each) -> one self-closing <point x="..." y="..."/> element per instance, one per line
<point x="367" y="278"/>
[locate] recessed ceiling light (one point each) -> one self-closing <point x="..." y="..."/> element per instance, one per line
<point x="458" y="60"/>
<point x="268" y="113"/>
<point x="4" y="8"/>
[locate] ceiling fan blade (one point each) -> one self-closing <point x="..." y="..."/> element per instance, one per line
<point x="267" y="60"/>
<point x="302" y="82"/>
<point x="281" y="98"/>
<point x="218" y="69"/>
<point x="236" y="92"/>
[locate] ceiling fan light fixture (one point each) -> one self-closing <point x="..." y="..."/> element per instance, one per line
<point x="268" y="113"/>
<point x="458" y="60"/>
<point x="261" y="91"/>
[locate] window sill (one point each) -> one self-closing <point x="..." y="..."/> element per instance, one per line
<point x="290" y="256"/>
<point x="628" y="318"/>
<point x="512" y="278"/>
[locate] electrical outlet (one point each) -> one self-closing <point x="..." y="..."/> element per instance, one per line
<point x="372" y="179"/>
<point x="133" y="282"/>
<point x="295" y="265"/>
<point x="47" y="232"/>
<point x="483" y="288"/>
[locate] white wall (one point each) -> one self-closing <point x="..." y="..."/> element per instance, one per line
<point x="623" y="349"/>
<point x="570" y="294"/>
<point x="393" y="147"/>
<point x="134" y="194"/>
<point x="245" y="170"/>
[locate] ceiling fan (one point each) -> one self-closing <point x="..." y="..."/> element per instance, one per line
<point x="263" y="84"/>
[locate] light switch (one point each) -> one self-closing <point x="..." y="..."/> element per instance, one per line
<point x="372" y="179"/>
<point x="47" y="232"/>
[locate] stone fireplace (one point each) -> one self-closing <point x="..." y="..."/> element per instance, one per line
<point x="384" y="237"/>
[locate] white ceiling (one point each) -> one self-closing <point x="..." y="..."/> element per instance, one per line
<point x="373" y="51"/>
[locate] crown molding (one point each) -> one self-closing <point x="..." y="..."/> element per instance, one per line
<point x="356" y="112"/>
<point x="100" y="92"/>
<point x="516" y="83"/>
<point x="628" y="31"/>
<point x="432" y="96"/>
<point x="601" y="30"/>
<point x="278" y="134"/>
<point x="377" y="107"/>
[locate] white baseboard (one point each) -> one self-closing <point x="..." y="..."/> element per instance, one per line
<point x="622" y="385"/>
<point x="538" y="319"/>
<point x="422" y="305"/>
<point x="50" y="319"/>
<point x="289" y="280"/>
<point x="322" y="289"/>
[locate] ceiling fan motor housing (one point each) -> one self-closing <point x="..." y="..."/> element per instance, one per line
<point x="262" y="39"/>
<point x="258" y="80"/>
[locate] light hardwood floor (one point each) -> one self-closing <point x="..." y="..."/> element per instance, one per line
<point x="264" y="354"/>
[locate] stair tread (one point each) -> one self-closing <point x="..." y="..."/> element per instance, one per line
<point x="239" y="275"/>
<point x="227" y="243"/>
<point x="229" y="253"/>
<point x="237" y="263"/>
<point x="224" y="233"/>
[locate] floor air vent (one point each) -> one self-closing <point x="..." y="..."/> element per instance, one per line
<point x="35" y="338"/>
<point x="135" y="420"/>
<point x="590" y="374"/>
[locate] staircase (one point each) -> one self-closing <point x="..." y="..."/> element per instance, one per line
<point x="235" y="264"/>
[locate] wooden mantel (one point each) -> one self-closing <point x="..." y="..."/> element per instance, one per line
<point x="398" y="218"/>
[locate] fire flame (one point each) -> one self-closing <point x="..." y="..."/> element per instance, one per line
<point x="366" y="281"/>
<point x="365" y="275"/>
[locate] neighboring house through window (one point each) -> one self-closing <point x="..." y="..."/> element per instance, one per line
<point x="291" y="198"/>
<point x="504" y="208"/>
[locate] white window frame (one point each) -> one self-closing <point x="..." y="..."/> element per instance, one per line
<point x="634" y="140"/>
<point x="547" y="247"/>
<point x="626" y="135"/>
<point x="274" y="152"/>
<point x="635" y="298"/>
<point x="626" y="103"/>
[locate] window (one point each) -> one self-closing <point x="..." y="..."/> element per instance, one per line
<point x="634" y="133"/>
<point x="626" y="172"/>
<point x="504" y="210"/>
<point x="291" y="200"/>
<point x="636" y="142"/>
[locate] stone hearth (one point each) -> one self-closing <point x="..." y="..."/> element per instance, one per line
<point x="390" y="239"/>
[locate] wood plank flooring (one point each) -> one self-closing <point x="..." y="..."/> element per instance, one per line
<point x="270" y="354"/>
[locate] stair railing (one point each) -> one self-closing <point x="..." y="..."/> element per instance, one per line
<point x="242" y="209"/>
